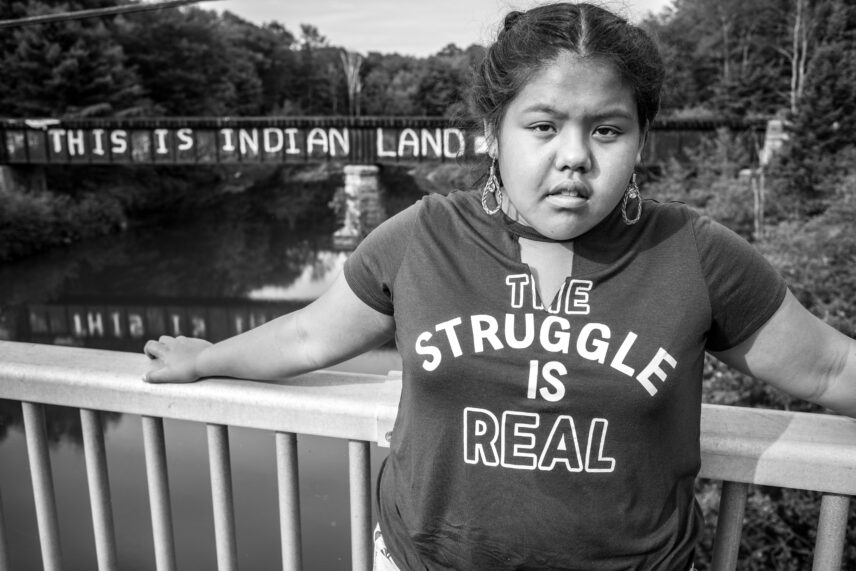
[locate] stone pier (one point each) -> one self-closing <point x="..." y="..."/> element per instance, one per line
<point x="364" y="209"/>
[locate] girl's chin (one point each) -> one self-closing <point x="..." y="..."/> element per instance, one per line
<point x="563" y="236"/>
<point x="560" y="224"/>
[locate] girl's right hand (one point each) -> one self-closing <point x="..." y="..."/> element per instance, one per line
<point x="174" y="359"/>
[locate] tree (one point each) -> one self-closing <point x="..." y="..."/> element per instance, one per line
<point x="798" y="54"/>
<point x="320" y="87"/>
<point x="351" y="63"/>
<point x="733" y="58"/>
<point x="825" y="123"/>
<point x="275" y="61"/>
<point x="66" y="69"/>
<point x="188" y="65"/>
<point x="444" y="79"/>
<point x="269" y="49"/>
<point x="389" y="84"/>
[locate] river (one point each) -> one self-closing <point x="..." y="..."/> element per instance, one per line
<point x="228" y="267"/>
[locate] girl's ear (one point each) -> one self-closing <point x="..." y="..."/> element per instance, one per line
<point x="490" y="139"/>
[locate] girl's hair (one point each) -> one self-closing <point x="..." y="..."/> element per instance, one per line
<point x="529" y="41"/>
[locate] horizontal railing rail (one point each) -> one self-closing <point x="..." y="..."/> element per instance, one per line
<point x="739" y="446"/>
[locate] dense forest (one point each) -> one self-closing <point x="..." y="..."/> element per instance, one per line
<point x="193" y="62"/>
<point x="790" y="59"/>
<point x="725" y="58"/>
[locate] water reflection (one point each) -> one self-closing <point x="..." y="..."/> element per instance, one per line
<point x="241" y="262"/>
<point x="63" y="423"/>
<point x="113" y="292"/>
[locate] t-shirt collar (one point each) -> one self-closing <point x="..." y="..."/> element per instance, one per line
<point x="528" y="232"/>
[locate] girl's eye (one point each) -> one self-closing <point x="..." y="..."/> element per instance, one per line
<point x="542" y="128"/>
<point x="609" y="132"/>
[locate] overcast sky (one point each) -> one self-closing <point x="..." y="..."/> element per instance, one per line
<point x="413" y="27"/>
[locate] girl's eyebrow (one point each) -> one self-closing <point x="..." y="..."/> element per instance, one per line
<point x="614" y="113"/>
<point x="610" y="113"/>
<point x="542" y="108"/>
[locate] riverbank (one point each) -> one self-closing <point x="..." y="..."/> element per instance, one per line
<point x="81" y="202"/>
<point x="32" y="222"/>
<point x="87" y="202"/>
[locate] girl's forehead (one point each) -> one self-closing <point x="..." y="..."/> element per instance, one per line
<point x="570" y="81"/>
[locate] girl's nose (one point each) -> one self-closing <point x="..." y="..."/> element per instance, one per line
<point x="573" y="152"/>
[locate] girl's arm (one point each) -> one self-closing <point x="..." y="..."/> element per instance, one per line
<point x="333" y="328"/>
<point x="800" y="354"/>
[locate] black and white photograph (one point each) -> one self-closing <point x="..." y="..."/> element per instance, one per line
<point x="400" y="285"/>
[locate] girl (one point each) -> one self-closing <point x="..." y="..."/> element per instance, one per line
<point x="552" y="327"/>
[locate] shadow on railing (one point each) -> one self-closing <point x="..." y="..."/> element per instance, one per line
<point x="739" y="446"/>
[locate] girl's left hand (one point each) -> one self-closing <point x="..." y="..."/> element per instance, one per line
<point x="174" y="359"/>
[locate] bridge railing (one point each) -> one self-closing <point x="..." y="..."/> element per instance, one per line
<point x="739" y="446"/>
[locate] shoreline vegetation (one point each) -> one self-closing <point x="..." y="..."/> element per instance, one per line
<point x="88" y="202"/>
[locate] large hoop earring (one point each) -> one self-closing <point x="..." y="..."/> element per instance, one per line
<point x="631" y="193"/>
<point x="492" y="187"/>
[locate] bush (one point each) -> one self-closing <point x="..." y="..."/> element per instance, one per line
<point x="817" y="257"/>
<point x="814" y="247"/>
<point x="31" y="222"/>
<point x="716" y="183"/>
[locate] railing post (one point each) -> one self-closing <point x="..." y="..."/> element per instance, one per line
<point x="99" y="489"/>
<point x="5" y="565"/>
<point x="361" y="513"/>
<point x="831" y="530"/>
<point x="158" y="482"/>
<point x="289" y="500"/>
<point x="221" y="495"/>
<point x="43" y="489"/>
<point x="729" y="526"/>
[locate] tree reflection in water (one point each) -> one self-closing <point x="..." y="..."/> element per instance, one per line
<point x="62" y="423"/>
<point x="222" y="258"/>
<point x="230" y="257"/>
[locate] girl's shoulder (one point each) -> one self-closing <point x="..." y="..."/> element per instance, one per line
<point x="674" y="215"/>
<point x="703" y="227"/>
<point x="458" y="201"/>
<point x="670" y="209"/>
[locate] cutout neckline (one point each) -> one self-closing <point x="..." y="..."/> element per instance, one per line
<point x="550" y="265"/>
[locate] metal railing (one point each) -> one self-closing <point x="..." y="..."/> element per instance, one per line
<point x="739" y="446"/>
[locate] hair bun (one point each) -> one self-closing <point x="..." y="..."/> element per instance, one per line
<point x="511" y="19"/>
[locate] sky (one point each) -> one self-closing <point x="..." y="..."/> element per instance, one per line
<point x="410" y="27"/>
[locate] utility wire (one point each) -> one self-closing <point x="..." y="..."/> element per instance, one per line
<point x="96" y="13"/>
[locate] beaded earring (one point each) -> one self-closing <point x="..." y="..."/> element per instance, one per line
<point x="631" y="193"/>
<point x="492" y="187"/>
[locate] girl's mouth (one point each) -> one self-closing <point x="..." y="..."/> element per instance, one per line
<point x="569" y="194"/>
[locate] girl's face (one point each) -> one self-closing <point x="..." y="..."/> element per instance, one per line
<point x="567" y="146"/>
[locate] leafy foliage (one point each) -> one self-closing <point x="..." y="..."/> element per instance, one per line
<point x="74" y="69"/>
<point x="714" y="180"/>
<point x="817" y="256"/>
<point x="193" y="62"/>
<point x="826" y="122"/>
<point x="728" y="57"/>
<point x="30" y="222"/>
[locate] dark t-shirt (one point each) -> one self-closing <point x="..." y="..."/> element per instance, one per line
<point x="564" y="433"/>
